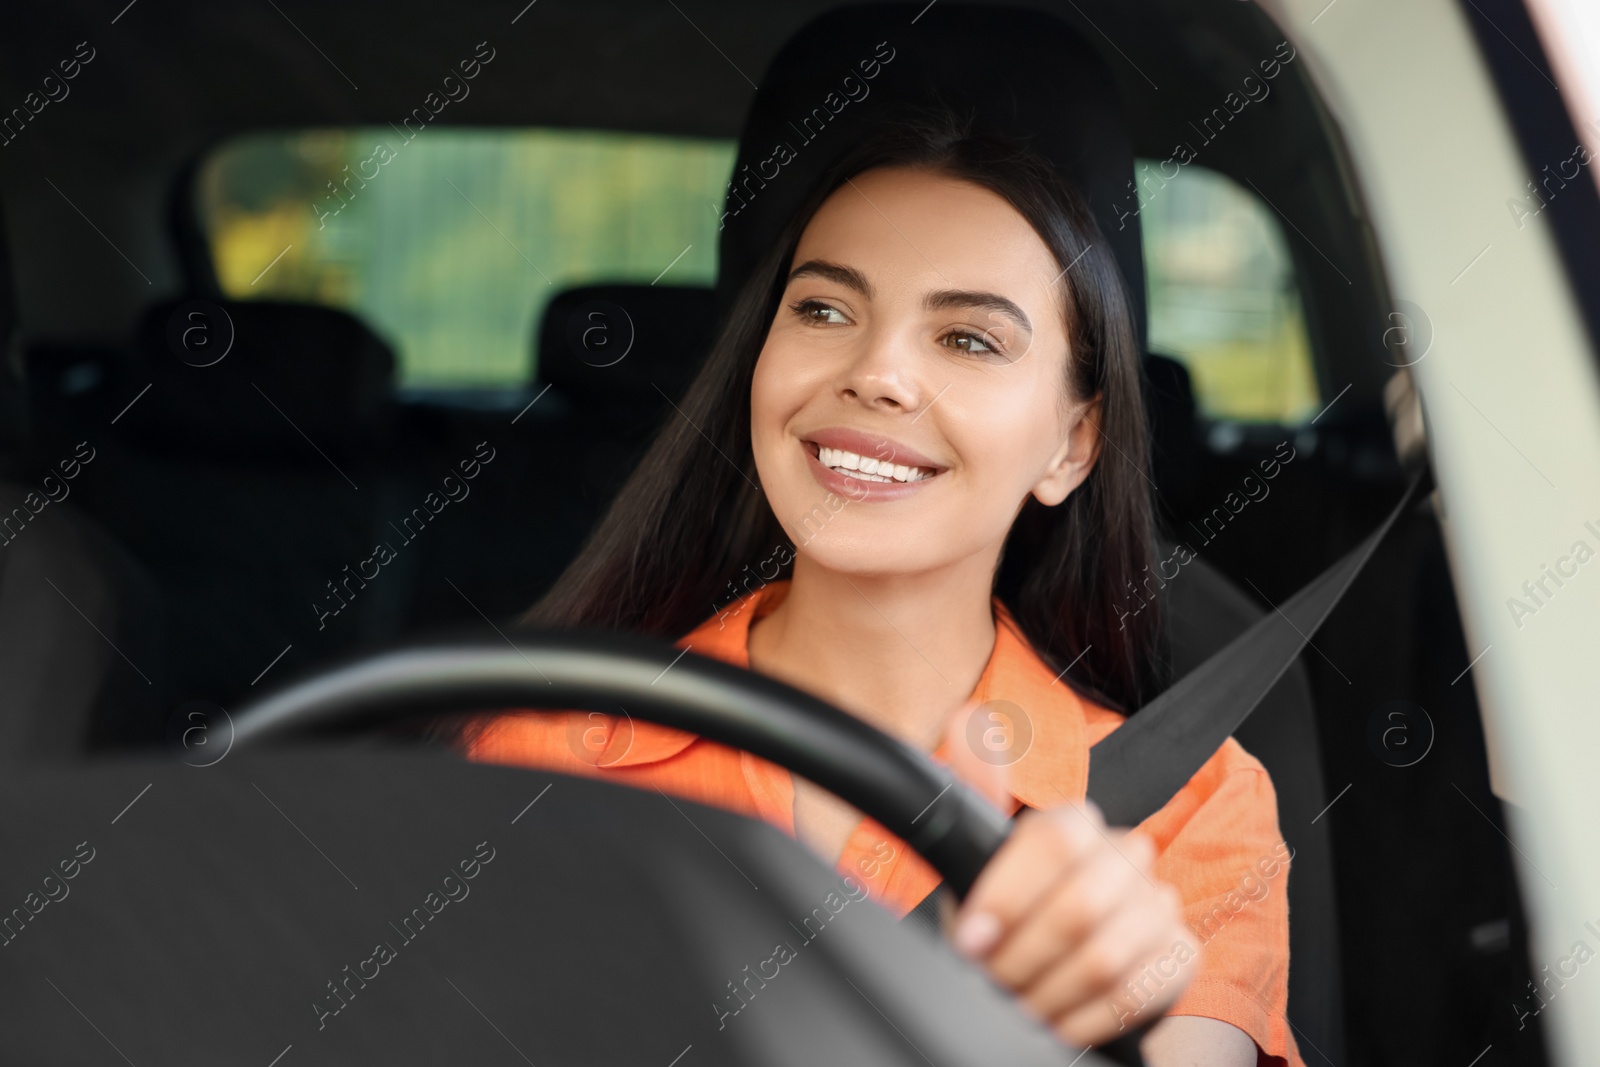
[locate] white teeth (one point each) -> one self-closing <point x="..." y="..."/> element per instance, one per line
<point x="868" y="468"/>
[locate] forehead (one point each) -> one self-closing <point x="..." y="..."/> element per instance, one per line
<point x="919" y="229"/>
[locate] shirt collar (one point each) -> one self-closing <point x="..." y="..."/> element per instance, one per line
<point x="1028" y="719"/>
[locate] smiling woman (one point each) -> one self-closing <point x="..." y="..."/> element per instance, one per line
<point x="941" y="338"/>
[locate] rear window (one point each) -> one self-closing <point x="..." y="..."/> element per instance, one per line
<point x="451" y="244"/>
<point x="1222" y="296"/>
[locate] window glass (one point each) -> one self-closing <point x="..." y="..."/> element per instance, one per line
<point x="1222" y="296"/>
<point x="451" y="244"/>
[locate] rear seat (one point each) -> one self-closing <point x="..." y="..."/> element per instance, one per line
<point x="80" y="621"/>
<point x="244" y="518"/>
<point x="563" y="461"/>
<point x="300" y="386"/>
<point x="619" y="400"/>
<point x="247" y="485"/>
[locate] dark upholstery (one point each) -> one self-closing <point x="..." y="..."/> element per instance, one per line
<point x="615" y="342"/>
<point x="72" y="385"/>
<point x="80" y="621"/>
<point x="613" y="403"/>
<point x="1177" y="456"/>
<point x="8" y="293"/>
<point x="81" y="642"/>
<point x="249" y="485"/>
<point x="297" y="379"/>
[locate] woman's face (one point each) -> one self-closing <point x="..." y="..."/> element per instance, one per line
<point x="920" y="327"/>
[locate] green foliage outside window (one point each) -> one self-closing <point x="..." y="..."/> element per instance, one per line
<point x="450" y="245"/>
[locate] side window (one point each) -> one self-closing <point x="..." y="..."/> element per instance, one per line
<point x="1223" y="300"/>
<point x="450" y="245"/>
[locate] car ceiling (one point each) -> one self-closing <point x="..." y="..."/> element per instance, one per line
<point x="170" y="79"/>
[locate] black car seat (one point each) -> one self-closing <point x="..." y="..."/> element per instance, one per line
<point x="81" y="645"/>
<point x="1177" y="456"/>
<point x="608" y="362"/>
<point x="619" y="356"/>
<point x="1204" y="611"/>
<point x="249" y="486"/>
<point x="1058" y="94"/>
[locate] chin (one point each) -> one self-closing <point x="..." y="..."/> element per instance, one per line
<point x="860" y="552"/>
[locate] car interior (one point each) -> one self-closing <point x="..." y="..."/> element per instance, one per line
<point x="211" y="538"/>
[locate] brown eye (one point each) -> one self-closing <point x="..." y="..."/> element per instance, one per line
<point x="815" y="312"/>
<point x="970" y="342"/>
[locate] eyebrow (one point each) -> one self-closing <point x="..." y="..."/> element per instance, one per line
<point x="939" y="300"/>
<point x="848" y="277"/>
<point x="945" y="299"/>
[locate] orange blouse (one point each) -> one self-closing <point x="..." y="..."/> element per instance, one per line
<point x="1217" y="840"/>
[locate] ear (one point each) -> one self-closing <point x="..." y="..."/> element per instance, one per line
<point x="1076" y="456"/>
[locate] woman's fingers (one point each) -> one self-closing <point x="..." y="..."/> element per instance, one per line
<point x="1043" y="849"/>
<point x="1069" y="916"/>
<point x="1085" y="898"/>
<point x="1130" y="970"/>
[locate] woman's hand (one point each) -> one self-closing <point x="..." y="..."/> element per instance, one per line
<point x="1069" y="918"/>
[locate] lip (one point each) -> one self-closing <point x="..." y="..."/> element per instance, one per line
<point x="863" y="444"/>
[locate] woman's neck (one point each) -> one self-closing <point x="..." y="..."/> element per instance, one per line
<point x="902" y="653"/>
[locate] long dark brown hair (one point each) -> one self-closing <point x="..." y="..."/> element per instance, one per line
<point x="690" y="523"/>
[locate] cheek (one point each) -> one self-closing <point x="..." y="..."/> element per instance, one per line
<point x="1009" y="435"/>
<point x="789" y="374"/>
<point x="998" y="439"/>
<point x="770" y="396"/>
<point x="777" y="392"/>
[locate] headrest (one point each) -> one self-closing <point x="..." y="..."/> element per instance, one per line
<point x="1176" y="460"/>
<point x="261" y="380"/>
<point x="1021" y="74"/>
<point x="611" y="341"/>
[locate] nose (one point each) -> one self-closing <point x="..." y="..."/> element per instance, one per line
<point x="883" y="372"/>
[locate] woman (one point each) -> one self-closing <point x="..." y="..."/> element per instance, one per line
<point x="896" y="449"/>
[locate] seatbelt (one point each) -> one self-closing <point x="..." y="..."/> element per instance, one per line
<point x="1143" y="763"/>
<point x="925" y="916"/>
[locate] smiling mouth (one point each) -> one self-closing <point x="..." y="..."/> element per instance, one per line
<point x="868" y="468"/>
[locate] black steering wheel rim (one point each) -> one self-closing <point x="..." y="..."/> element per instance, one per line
<point x="909" y="794"/>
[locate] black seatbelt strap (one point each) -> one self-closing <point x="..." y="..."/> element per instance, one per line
<point x="925" y="916"/>
<point x="1143" y="763"/>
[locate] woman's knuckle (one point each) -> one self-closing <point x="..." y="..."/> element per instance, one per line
<point x="1102" y="896"/>
<point x="1101" y="966"/>
<point x="1064" y="920"/>
<point x="1076" y="831"/>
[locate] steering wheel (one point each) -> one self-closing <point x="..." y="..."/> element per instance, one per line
<point x="909" y="794"/>
<point x="913" y="797"/>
